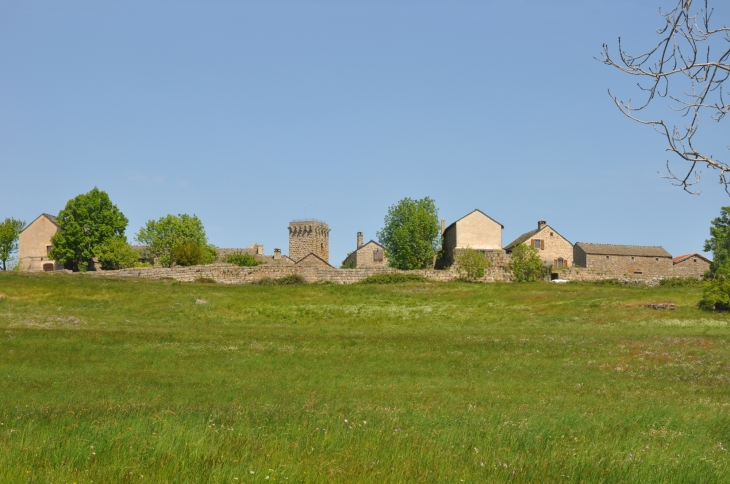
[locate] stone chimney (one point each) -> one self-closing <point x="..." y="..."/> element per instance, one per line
<point x="443" y="226"/>
<point x="277" y="254"/>
<point x="541" y="224"/>
<point x="259" y="249"/>
<point x="359" y="240"/>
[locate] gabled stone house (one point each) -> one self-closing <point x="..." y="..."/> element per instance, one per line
<point x="623" y="259"/>
<point x="34" y="245"/>
<point x="476" y="230"/>
<point x="691" y="265"/>
<point x="371" y="254"/>
<point x="554" y="249"/>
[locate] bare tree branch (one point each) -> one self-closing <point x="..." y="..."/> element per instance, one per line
<point x="683" y="53"/>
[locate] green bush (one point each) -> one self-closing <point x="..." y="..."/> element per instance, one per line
<point x="243" y="259"/>
<point x="188" y="254"/>
<point x="282" y="281"/>
<point x="716" y="294"/>
<point x="471" y="264"/>
<point x="393" y="279"/>
<point x="205" y="280"/>
<point x="681" y="282"/>
<point x="526" y="265"/>
<point x="348" y="265"/>
<point x="115" y="253"/>
<point x="143" y="264"/>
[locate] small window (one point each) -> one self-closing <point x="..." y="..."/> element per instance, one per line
<point x="608" y="257"/>
<point x="638" y="272"/>
<point x="551" y="234"/>
<point x="48" y="250"/>
<point x="656" y="259"/>
<point x="536" y="243"/>
<point x="694" y="260"/>
<point x="378" y="255"/>
<point x="632" y="257"/>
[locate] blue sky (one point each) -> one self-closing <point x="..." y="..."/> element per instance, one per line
<point x="251" y="114"/>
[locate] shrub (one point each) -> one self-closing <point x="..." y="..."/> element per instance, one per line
<point x="393" y="279"/>
<point x="143" y="264"/>
<point x="243" y="259"/>
<point x="205" y="280"/>
<point x="471" y="264"/>
<point x="282" y="281"/>
<point x="210" y="253"/>
<point x="188" y="254"/>
<point x="681" y="282"/>
<point x="716" y="294"/>
<point x="526" y="265"/>
<point x="115" y="253"/>
<point x="348" y="265"/>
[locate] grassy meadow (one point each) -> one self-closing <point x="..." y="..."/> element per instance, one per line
<point x="108" y="380"/>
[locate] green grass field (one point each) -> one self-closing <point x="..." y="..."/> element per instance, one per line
<point x="109" y="380"/>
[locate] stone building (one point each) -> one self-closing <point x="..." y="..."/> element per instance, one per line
<point x="309" y="236"/>
<point x="553" y="248"/>
<point x="34" y="245"/>
<point x="476" y="230"/>
<point x="623" y="259"/>
<point x="691" y="265"/>
<point x="371" y="254"/>
<point x="256" y="250"/>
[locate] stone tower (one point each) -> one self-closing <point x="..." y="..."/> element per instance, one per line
<point x="307" y="236"/>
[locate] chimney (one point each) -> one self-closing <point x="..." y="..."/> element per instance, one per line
<point x="260" y="249"/>
<point x="359" y="240"/>
<point x="277" y="254"/>
<point x="443" y="226"/>
<point x="541" y="224"/>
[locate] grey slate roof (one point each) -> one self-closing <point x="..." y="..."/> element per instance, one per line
<point x="521" y="239"/>
<point x="610" y="249"/>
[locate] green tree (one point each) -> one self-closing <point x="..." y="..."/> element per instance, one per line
<point x="525" y="264"/>
<point x="719" y="243"/>
<point x="163" y="235"/>
<point x="411" y="235"/>
<point x="86" y="223"/>
<point x="115" y="253"/>
<point x="9" y="233"/>
<point x="471" y="264"/>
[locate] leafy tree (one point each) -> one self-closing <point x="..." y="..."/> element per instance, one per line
<point x="411" y="235"/>
<point x="719" y="243"/>
<point x="9" y="233"/>
<point x="471" y="264"/>
<point x="525" y="264"/>
<point x="115" y="253"/>
<point x="163" y="235"/>
<point x="86" y="223"/>
<point x="188" y="254"/>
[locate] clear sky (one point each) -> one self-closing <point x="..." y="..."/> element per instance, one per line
<point x="253" y="113"/>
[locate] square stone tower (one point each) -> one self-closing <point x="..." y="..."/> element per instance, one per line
<point x="307" y="236"/>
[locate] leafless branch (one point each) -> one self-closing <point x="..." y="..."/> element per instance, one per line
<point x="684" y="52"/>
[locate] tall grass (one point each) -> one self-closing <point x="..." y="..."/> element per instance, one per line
<point x="124" y="380"/>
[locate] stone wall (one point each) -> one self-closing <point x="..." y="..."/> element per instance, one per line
<point x="691" y="267"/>
<point x="555" y="246"/>
<point x="624" y="264"/>
<point x="231" y="274"/>
<point x="582" y="274"/>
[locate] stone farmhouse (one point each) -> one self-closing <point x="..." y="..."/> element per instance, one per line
<point x="553" y="248"/>
<point x="476" y="230"/>
<point x="623" y="259"/>
<point x="691" y="265"/>
<point x="309" y="236"/>
<point x="371" y="254"/>
<point x="34" y="245"/>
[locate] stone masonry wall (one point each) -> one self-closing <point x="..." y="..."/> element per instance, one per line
<point x="624" y="264"/>
<point x="232" y="274"/>
<point x="691" y="267"/>
<point x="582" y="274"/>
<point x="555" y="246"/>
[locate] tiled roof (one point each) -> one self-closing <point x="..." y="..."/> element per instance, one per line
<point x="687" y="256"/>
<point x="610" y="249"/>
